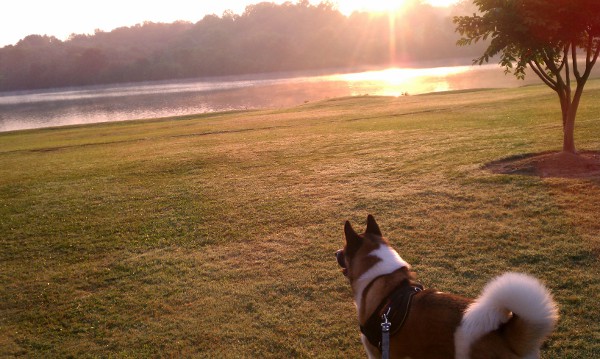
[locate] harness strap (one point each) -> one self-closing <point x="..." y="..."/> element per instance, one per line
<point x="395" y="307"/>
<point x="385" y="337"/>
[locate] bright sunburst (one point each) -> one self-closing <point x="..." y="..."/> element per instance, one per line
<point x="379" y="6"/>
<point x="349" y="6"/>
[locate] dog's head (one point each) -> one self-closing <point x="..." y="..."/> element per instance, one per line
<point x="368" y="254"/>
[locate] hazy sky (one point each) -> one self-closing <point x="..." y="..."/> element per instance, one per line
<point x="60" y="18"/>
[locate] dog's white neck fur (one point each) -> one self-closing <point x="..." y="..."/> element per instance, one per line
<point x="390" y="261"/>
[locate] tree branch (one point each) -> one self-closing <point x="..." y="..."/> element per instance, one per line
<point x="595" y="56"/>
<point x="575" y="66"/>
<point x="535" y="66"/>
<point x="565" y="57"/>
<point x="565" y="62"/>
<point x="590" y="59"/>
<point x="589" y="49"/>
<point x="552" y="66"/>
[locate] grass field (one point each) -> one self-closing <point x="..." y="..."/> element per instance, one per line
<point x="213" y="235"/>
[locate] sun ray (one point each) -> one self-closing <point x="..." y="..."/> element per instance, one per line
<point x="372" y="6"/>
<point x="385" y="6"/>
<point x="392" y="37"/>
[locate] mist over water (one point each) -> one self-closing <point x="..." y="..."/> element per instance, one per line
<point x="83" y="105"/>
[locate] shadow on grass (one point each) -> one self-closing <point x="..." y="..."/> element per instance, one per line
<point x="584" y="164"/>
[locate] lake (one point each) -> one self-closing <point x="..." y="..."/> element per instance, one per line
<point x="92" y="104"/>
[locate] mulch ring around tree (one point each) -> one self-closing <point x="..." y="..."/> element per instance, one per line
<point x="585" y="164"/>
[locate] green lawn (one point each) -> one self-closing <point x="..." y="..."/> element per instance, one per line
<point x="213" y="235"/>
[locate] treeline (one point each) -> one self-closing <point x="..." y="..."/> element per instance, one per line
<point x="266" y="38"/>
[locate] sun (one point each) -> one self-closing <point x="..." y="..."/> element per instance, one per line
<point x="349" y="6"/>
<point x="384" y="6"/>
<point x="442" y="3"/>
<point x="381" y="5"/>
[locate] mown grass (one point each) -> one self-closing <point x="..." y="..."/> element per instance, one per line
<point x="213" y="235"/>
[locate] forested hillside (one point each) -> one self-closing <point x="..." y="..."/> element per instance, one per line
<point x="265" y="38"/>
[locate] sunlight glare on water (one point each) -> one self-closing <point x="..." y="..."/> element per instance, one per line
<point x="119" y="102"/>
<point x="402" y="81"/>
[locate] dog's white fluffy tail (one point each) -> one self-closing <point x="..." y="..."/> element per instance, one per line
<point x="513" y="297"/>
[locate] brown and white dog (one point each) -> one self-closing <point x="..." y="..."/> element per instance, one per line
<point x="510" y="319"/>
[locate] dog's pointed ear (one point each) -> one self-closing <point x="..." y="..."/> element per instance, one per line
<point x="372" y="226"/>
<point x="351" y="235"/>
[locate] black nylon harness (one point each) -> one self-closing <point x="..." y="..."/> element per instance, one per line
<point x="395" y="307"/>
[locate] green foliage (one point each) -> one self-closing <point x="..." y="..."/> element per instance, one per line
<point x="523" y="32"/>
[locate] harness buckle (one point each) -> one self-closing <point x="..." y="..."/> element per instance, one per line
<point x="386" y="325"/>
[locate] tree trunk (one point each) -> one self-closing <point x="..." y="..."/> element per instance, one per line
<point x="568" y="110"/>
<point x="569" y="133"/>
<point x="569" y="119"/>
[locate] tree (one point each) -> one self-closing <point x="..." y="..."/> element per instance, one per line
<point x="296" y="35"/>
<point x="559" y="40"/>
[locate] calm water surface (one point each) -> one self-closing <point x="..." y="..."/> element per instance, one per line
<point x="58" y="107"/>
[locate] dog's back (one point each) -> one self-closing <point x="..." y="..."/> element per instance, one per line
<point x="430" y="326"/>
<point x="509" y="320"/>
